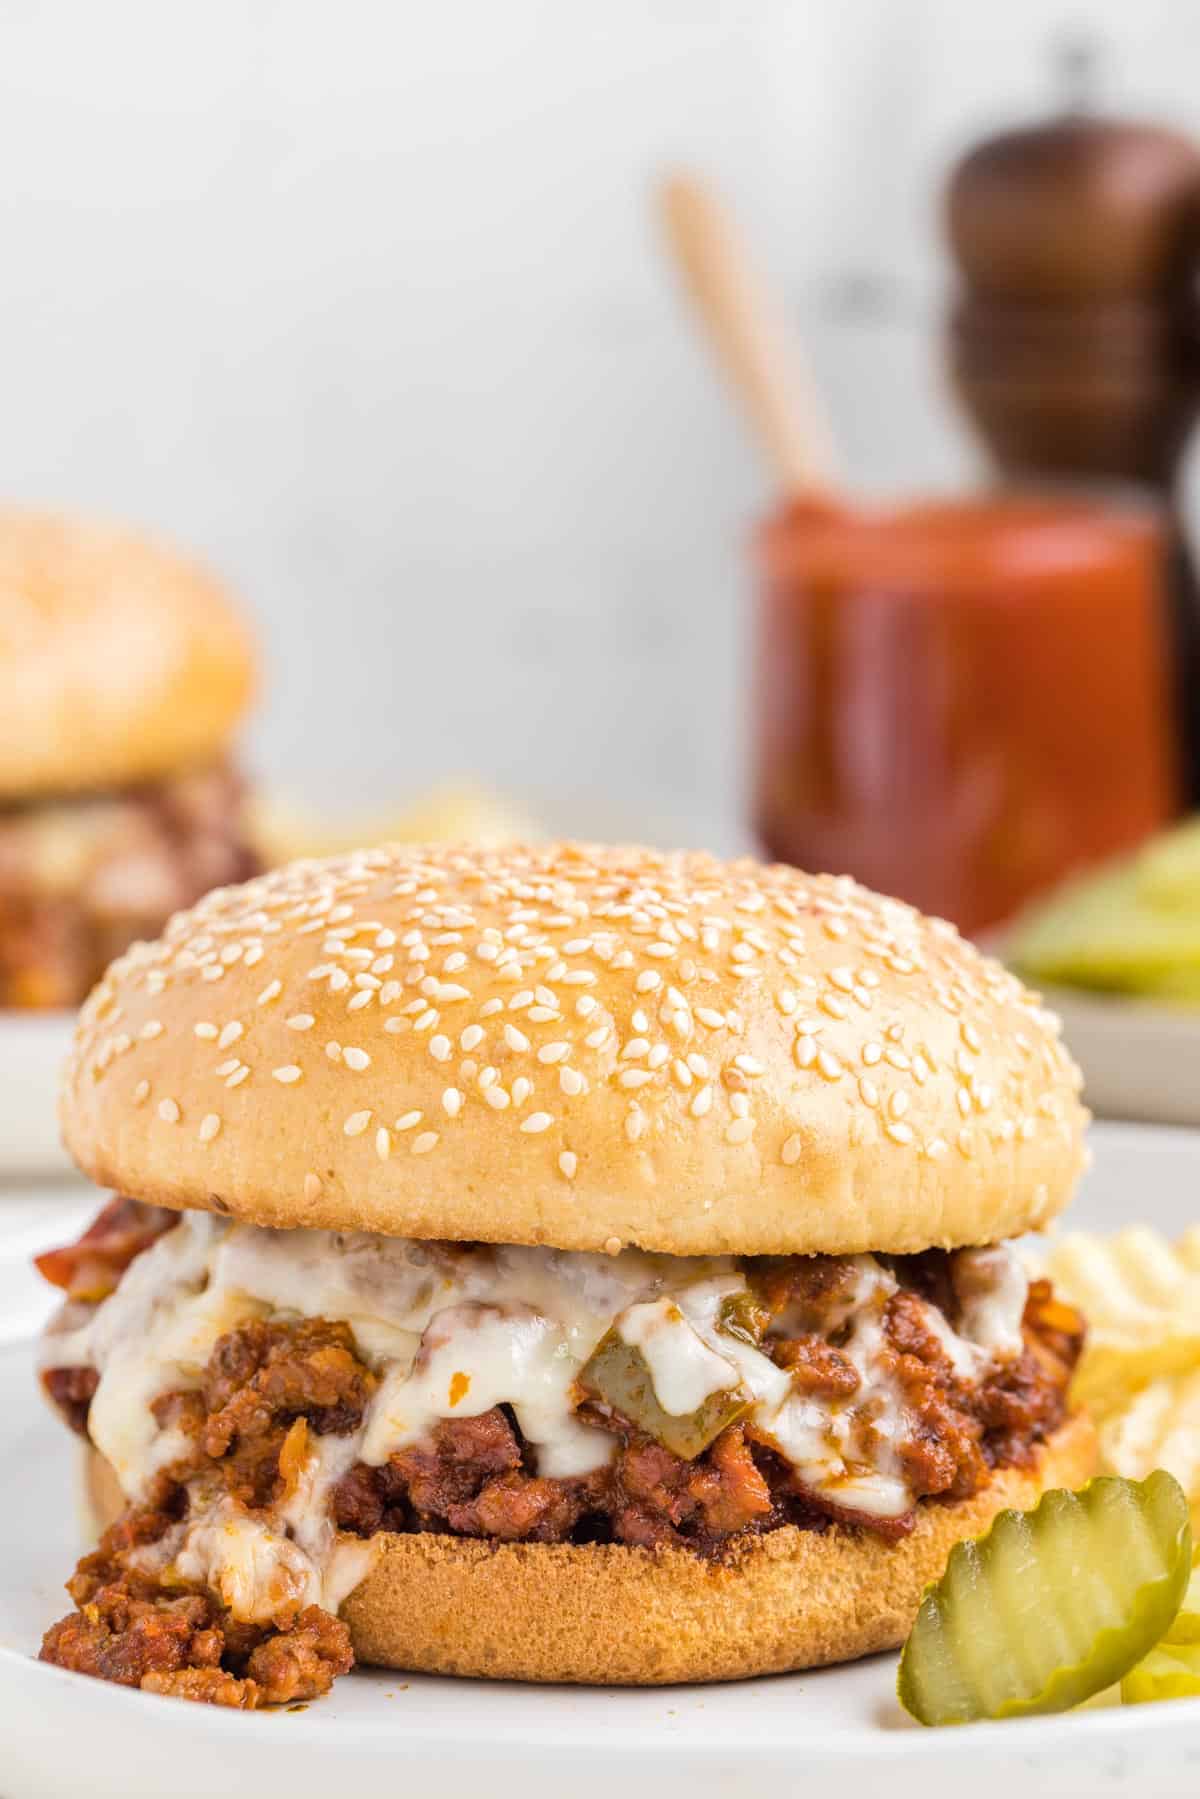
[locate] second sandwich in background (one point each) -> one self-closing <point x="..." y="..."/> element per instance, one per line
<point x="125" y="670"/>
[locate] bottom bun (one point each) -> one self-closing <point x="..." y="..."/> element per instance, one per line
<point x="606" y="1615"/>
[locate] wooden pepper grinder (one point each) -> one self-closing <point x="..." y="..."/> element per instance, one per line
<point x="1074" y="342"/>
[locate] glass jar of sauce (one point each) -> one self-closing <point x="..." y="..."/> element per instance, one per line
<point x="962" y="701"/>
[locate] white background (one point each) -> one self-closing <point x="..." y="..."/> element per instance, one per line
<point x="362" y="301"/>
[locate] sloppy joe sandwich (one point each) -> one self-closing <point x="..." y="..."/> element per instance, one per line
<point x="558" y="1263"/>
<point x="124" y="671"/>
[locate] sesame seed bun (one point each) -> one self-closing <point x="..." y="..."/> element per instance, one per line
<point x="119" y="660"/>
<point x="608" y="1615"/>
<point x="576" y="1046"/>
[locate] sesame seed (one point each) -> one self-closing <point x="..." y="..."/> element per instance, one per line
<point x="553" y="1052"/>
<point x="141" y="1093"/>
<point x="408" y="1120"/>
<point x="740" y="1131"/>
<point x="240" y="1074"/>
<point x="647" y="981"/>
<point x="286" y="1075"/>
<point x="334" y="1051"/>
<point x="598" y="1038"/>
<point x="635" y="1049"/>
<point x="452" y="1101"/>
<point x="714" y="1020"/>
<point x="151" y="1029"/>
<point x="210" y="1124"/>
<point x="498" y="1098"/>
<point x="634" y="1077"/>
<point x="571" y="1081"/>
<point x="898" y="1104"/>
<point x="356" y="1124"/>
<point x="829" y="1065"/>
<point x="229" y="1034"/>
<point x="168" y="1111"/>
<point x="271" y="991"/>
<point x="228" y="1067"/>
<point x="567" y="1164"/>
<point x="792" y="1150"/>
<point x="900" y="1132"/>
<point x="357" y="1059"/>
<point x="205" y="1030"/>
<point x="537" y="1121"/>
<point x="805" y="1051"/>
<point x="472" y="1037"/>
<point x="383" y="1143"/>
<point x="701" y="1102"/>
<point x="423" y="1143"/>
<point x="515" y="1039"/>
<point x="301" y="1021"/>
<point x="612" y="1246"/>
<point x="312" y="1187"/>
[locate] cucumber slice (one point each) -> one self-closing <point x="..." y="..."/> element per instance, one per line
<point x="1049" y="1606"/>
<point x="1172" y="1671"/>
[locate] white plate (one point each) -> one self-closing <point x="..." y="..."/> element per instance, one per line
<point x="61" y="1735"/>
<point x="33" y="1046"/>
<point x="1139" y="1060"/>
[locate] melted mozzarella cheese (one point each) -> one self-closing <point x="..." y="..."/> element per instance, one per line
<point x="992" y="1286"/>
<point x="454" y="1330"/>
<point x="684" y="1371"/>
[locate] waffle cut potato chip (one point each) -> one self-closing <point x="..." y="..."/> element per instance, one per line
<point x="1140" y="1295"/>
<point x="1158" y="1428"/>
<point x="1140" y="1371"/>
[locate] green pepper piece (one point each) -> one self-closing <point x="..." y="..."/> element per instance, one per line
<point x="1049" y="1606"/>
<point x="619" y="1374"/>
<point x="741" y="1316"/>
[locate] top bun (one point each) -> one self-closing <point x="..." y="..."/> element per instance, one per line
<point x="119" y="661"/>
<point x="579" y="1046"/>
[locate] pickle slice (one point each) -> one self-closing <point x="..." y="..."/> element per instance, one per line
<point x="1172" y="1671"/>
<point x="1049" y="1606"/>
<point x="618" y="1374"/>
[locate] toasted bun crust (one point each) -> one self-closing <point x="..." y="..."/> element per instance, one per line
<point x="606" y="1615"/>
<point x="576" y="1046"/>
<point x="119" y="660"/>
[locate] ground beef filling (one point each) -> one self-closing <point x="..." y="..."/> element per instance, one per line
<point x="269" y="1384"/>
<point x="81" y="878"/>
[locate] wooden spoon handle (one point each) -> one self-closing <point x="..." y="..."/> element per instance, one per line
<point x="752" y="339"/>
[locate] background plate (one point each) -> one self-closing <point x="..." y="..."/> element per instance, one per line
<point x="33" y="1046"/>
<point x="811" y="1734"/>
<point x="1138" y="1060"/>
